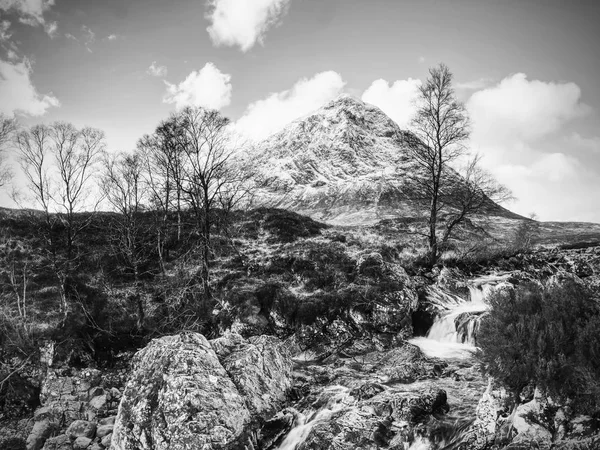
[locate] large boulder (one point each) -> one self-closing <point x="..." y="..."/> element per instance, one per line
<point x="186" y="393"/>
<point x="260" y="368"/>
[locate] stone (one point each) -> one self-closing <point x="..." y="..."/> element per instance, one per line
<point x="61" y="442"/>
<point x="81" y="428"/>
<point x="367" y="391"/>
<point x="103" y="430"/>
<point x="81" y="443"/>
<point x="106" y="440"/>
<point x="181" y="396"/>
<point x="95" y="392"/>
<point x="261" y="371"/>
<point x="107" y="421"/>
<point x="98" y="402"/>
<point x="40" y="432"/>
<point x="527" y="430"/>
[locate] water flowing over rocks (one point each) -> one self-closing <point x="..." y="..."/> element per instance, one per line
<point x="186" y="392"/>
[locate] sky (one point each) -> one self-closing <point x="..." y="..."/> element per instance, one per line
<point x="528" y="72"/>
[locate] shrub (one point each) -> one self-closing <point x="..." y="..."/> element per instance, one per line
<point x="548" y="335"/>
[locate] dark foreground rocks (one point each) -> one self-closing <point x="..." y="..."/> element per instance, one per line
<point x="187" y="392"/>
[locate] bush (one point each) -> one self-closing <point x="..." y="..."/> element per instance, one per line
<point x="546" y="335"/>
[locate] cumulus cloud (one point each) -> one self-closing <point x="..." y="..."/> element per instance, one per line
<point x="519" y="126"/>
<point x="17" y="92"/>
<point x="271" y="114"/>
<point x="112" y="37"/>
<point x="518" y="109"/>
<point x="31" y="12"/>
<point x="207" y="87"/>
<point x="243" y="23"/>
<point x="51" y="29"/>
<point x="157" y="71"/>
<point x="397" y="100"/>
<point x="5" y="34"/>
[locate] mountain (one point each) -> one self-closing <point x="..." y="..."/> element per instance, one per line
<point x="346" y="163"/>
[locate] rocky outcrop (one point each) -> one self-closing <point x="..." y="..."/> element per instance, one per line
<point x="186" y="392"/>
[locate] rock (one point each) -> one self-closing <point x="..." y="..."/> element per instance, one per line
<point x="527" y="430"/>
<point x="260" y="369"/>
<point x="181" y="396"/>
<point x="96" y="446"/>
<point x="40" y="432"/>
<point x="98" y="402"/>
<point x="81" y="443"/>
<point x="106" y="440"/>
<point x="95" y="392"/>
<point x="103" y="430"/>
<point x="61" y="442"/>
<point x="81" y="428"/>
<point x="107" y="421"/>
<point x="367" y="391"/>
<point x="277" y="427"/>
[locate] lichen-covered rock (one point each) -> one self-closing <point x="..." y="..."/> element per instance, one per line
<point x="61" y="442"/>
<point x="260" y="369"/>
<point x="81" y="428"/>
<point x="40" y="432"/>
<point x="181" y="396"/>
<point x="81" y="443"/>
<point x="529" y="431"/>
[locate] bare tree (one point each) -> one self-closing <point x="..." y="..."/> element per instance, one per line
<point x="122" y="187"/>
<point x="442" y="125"/>
<point x="162" y="157"/>
<point x="33" y="146"/>
<point x="209" y="176"/>
<point x="8" y="127"/>
<point x="75" y="152"/>
<point x="58" y="161"/>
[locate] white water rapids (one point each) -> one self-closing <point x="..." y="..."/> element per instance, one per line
<point x="445" y="339"/>
<point x="337" y="395"/>
<point x="452" y="335"/>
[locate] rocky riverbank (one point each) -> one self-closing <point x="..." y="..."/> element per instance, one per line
<point x="362" y="380"/>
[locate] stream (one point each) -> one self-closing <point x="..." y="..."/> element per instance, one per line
<point x="451" y="338"/>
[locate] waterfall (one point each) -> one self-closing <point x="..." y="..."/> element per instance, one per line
<point x="454" y="332"/>
<point x="334" y="397"/>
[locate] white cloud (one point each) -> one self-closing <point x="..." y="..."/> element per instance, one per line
<point x="587" y="144"/>
<point x="51" y="29"/>
<point x="112" y="37"/>
<point x="397" y="100"/>
<point x="518" y="109"/>
<point x="89" y="37"/>
<point x="5" y="35"/>
<point x="208" y="87"/>
<point x="70" y="36"/>
<point x="519" y="128"/>
<point x="31" y="11"/>
<point x="243" y="22"/>
<point x="18" y="93"/>
<point x="271" y="114"/>
<point x="156" y="70"/>
<point x="421" y="59"/>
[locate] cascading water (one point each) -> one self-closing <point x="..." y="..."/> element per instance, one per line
<point x="453" y="334"/>
<point x="333" y="398"/>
